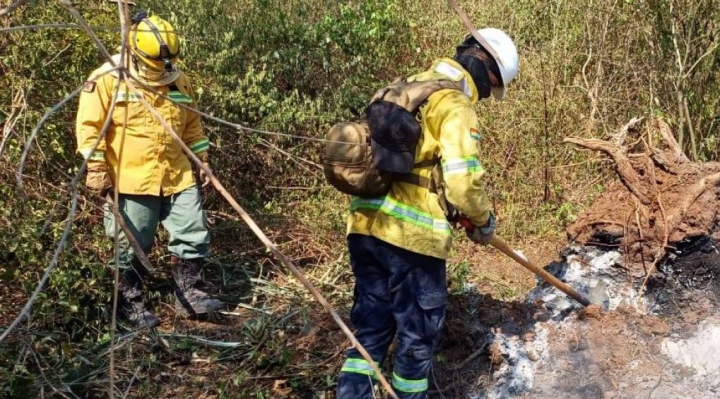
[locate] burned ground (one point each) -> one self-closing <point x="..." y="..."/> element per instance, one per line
<point x="647" y="252"/>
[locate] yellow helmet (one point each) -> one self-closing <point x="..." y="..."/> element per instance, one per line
<point x="154" y="41"/>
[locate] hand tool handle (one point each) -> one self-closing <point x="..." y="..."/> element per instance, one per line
<point x="504" y="247"/>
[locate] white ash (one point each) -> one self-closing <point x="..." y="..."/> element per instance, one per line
<point x="516" y="374"/>
<point x="593" y="273"/>
<point x="590" y="272"/>
<point x="699" y="352"/>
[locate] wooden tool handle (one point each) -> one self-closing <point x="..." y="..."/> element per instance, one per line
<point x="502" y="245"/>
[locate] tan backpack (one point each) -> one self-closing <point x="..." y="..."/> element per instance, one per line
<point x="348" y="161"/>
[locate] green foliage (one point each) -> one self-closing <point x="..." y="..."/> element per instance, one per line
<point x="458" y="274"/>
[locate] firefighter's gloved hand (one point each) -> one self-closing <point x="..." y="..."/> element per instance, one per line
<point x="97" y="179"/>
<point x="483" y="234"/>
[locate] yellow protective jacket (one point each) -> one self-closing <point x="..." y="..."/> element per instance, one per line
<point x="143" y="158"/>
<point x="410" y="216"/>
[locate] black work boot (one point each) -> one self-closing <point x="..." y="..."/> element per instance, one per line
<point x="190" y="300"/>
<point x="130" y="302"/>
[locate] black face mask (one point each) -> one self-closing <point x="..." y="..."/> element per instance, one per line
<point x="479" y="72"/>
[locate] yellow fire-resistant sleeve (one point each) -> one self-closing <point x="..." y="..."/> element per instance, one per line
<point x="462" y="170"/>
<point x="92" y="110"/>
<point x="193" y="136"/>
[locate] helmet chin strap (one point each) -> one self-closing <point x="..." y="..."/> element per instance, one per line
<point x="478" y="71"/>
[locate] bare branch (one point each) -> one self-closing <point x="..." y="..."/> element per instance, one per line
<point x="44" y="119"/>
<point x="18" y="107"/>
<point x="56" y="26"/>
<point x="697" y="62"/>
<point x="123" y="13"/>
<point x="628" y="175"/>
<point x="292" y="157"/>
<point x="669" y="139"/>
<point x="73" y="208"/>
<point x="6" y="140"/>
<point x="88" y="29"/>
<point x="622" y="133"/>
<point x="236" y="126"/>
<point x="48" y="271"/>
<point x="10" y="8"/>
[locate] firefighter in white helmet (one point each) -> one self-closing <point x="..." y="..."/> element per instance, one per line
<point x="154" y="177"/>
<point x="399" y="242"/>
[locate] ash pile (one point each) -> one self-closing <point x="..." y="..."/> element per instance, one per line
<point x="647" y="254"/>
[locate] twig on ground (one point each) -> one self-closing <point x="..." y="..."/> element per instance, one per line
<point x="47" y="382"/>
<point x="132" y="380"/>
<point x="471" y="357"/>
<point x="657" y="384"/>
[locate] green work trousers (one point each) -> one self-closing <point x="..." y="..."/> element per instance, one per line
<point x="181" y="214"/>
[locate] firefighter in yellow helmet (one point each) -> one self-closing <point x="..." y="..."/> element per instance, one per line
<point x="154" y="177"/>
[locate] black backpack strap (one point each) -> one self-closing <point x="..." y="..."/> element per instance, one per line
<point x="417" y="180"/>
<point x="427" y="162"/>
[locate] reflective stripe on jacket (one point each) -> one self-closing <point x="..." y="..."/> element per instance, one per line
<point x="141" y="153"/>
<point x="410" y="216"/>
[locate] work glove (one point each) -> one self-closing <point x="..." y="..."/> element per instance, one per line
<point x="482" y="234"/>
<point x="202" y="177"/>
<point x="98" y="179"/>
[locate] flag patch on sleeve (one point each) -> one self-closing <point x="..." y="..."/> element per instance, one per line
<point x="89" y="87"/>
<point x="475" y="133"/>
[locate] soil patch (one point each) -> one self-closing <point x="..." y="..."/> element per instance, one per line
<point x="661" y="201"/>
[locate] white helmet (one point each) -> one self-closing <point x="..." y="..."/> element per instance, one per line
<point x="505" y="54"/>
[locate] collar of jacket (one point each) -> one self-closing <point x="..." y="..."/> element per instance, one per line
<point x="453" y="70"/>
<point x="166" y="80"/>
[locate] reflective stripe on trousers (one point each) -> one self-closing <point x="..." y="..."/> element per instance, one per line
<point x="396" y="291"/>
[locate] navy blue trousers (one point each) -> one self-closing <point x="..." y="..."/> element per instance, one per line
<point x="396" y="292"/>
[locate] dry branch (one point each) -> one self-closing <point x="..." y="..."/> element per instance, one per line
<point x="669" y="139"/>
<point x="72" y="186"/>
<point x="11" y="7"/>
<point x="18" y="108"/>
<point x="661" y="160"/>
<point x="619" y="154"/>
<point x="621" y="135"/>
